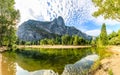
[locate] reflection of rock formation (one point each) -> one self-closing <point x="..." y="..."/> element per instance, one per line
<point x="44" y="72"/>
<point x="80" y="67"/>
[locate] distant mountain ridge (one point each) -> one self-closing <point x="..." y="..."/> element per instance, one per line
<point x="33" y="30"/>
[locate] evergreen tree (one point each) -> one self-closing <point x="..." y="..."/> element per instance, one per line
<point x="44" y="41"/>
<point x="58" y="40"/>
<point x="51" y="41"/>
<point x="8" y="19"/>
<point x="103" y="35"/>
<point x="76" y="40"/>
<point x="93" y="42"/>
<point x="66" y="39"/>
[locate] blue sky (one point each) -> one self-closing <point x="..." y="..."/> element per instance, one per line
<point x="77" y="13"/>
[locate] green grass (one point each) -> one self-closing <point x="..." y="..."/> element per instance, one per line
<point x="110" y="72"/>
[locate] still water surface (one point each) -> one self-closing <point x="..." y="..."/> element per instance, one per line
<point x="29" y="61"/>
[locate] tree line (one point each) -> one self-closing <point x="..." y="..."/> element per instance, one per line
<point x="103" y="39"/>
<point x="59" y="40"/>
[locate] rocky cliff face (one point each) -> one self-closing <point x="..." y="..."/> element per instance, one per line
<point x="32" y="30"/>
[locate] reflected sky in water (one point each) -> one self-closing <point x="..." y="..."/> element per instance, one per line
<point x="21" y="71"/>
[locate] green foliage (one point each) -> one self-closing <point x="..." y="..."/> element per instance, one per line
<point x="66" y="39"/>
<point x="113" y="34"/>
<point x="103" y="35"/>
<point x="43" y="42"/>
<point x="8" y="19"/>
<point x="93" y="42"/>
<point x="114" y="38"/>
<point x="99" y="43"/>
<point x="76" y="40"/>
<point x="102" y="39"/>
<point x="108" y="9"/>
<point x="79" y="40"/>
<point x="119" y="32"/>
<point x="51" y="41"/>
<point x="110" y="72"/>
<point x="58" y="40"/>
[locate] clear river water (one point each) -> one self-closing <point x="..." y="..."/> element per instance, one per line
<point x="46" y="61"/>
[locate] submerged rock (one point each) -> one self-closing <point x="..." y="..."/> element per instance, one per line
<point x="81" y="66"/>
<point x="33" y="30"/>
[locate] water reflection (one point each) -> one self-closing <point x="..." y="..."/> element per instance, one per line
<point x="56" y="59"/>
<point x="7" y="65"/>
<point x="79" y="68"/>
<point x="0" y="64"/>
<point x="45" y="62"/>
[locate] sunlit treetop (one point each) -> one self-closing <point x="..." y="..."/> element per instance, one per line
<point x="109" y="9"/>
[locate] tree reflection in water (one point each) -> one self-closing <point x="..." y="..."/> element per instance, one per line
<point x="8" y="66"/>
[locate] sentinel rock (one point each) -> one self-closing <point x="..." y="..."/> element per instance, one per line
<point x="33" y="30"/>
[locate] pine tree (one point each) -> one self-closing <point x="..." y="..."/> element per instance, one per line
<point x="76" y="40"/>
<point x="103" y="35"/>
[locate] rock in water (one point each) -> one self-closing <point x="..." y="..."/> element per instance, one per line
<point x="32" y="30"/>
<point x="80" y="67"/>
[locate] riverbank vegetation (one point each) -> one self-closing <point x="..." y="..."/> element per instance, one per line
<point x="58" y="40"/>
<point x="105" y="39"/>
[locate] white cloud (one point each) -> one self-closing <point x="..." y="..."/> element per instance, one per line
<point x="100" y="20"/>
<point x="29" y="9"/>
<point x="95" y="32"/>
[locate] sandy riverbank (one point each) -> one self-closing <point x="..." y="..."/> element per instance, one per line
<point x="111" y="63"/>
<point x="51" y="46"/>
